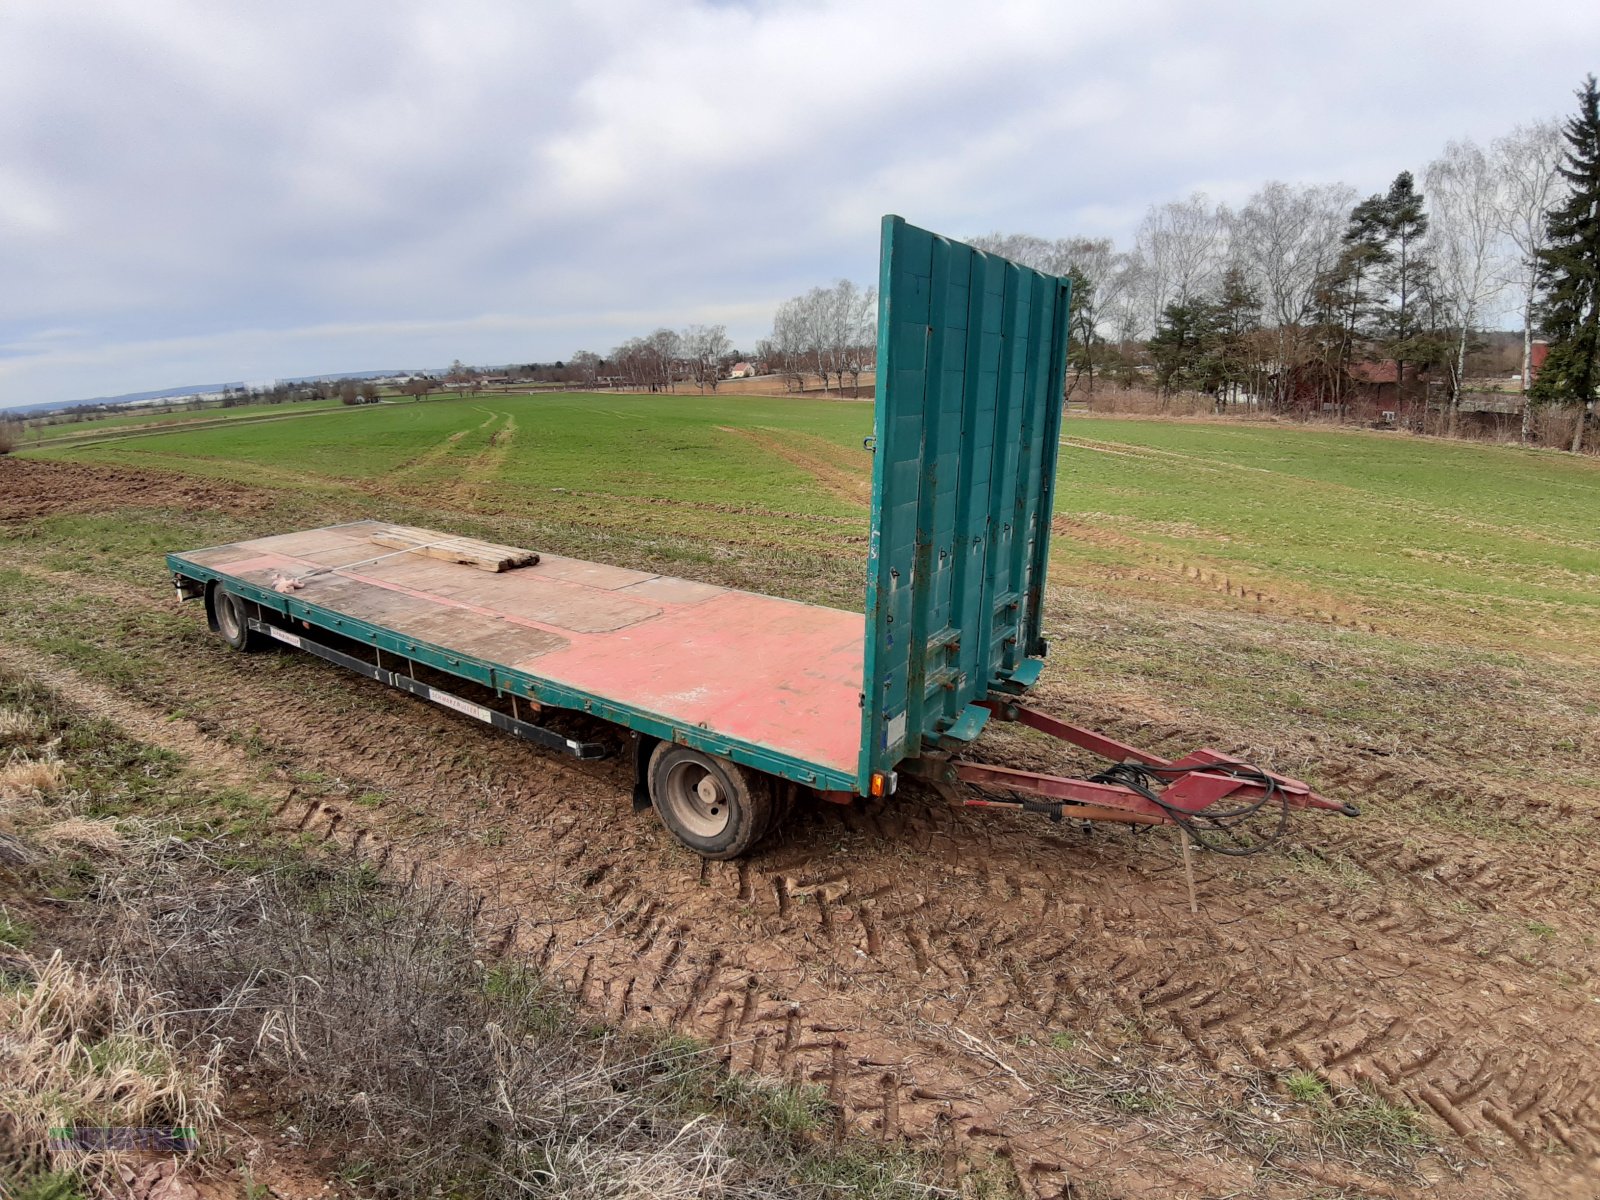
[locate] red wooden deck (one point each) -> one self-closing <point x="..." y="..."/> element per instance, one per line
<point x="771" y="672"/>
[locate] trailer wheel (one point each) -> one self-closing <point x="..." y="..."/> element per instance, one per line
<point x="232" y="621"/>
<point x="715" y="807"/>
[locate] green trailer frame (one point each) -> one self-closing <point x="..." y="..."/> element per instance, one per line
<point x="971" y="368"/>
<point x="972" y="357"/>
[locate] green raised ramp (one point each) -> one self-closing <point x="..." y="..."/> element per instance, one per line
<point x="972" y="356"/>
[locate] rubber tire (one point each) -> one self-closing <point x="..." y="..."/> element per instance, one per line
<point x="749" y="795"/>
<point x="241" y="637"/>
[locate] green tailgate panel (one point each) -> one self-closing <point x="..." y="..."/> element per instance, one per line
<point x="972" y="355"/>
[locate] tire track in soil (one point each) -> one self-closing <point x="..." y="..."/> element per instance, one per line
<point x="437" y="452"/>
<point x="484" y="467"/>
<point x="1197" y="573"/>
<point x="840" y="968"/>
<point x="815" y="456"/>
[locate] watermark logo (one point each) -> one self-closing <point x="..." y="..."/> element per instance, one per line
<point x="171" y="1139"/>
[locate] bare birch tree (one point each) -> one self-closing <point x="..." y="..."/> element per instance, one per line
<point x="587" y="365"/>
<point x="1286" y="241"/>
<point x="1183" y="244"/>
<point x="703" y="347"/>
<point x="1526" y="161"/>
<point x="1463" y="188"/>
<point x="1124" y="308"/>
<point x="663" y="349"/>
<point x="786" y="348"/>
<point x="828" y="332"/>
<point x="858" y="309"/>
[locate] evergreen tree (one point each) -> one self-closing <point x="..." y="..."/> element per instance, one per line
<point x="1203" y="344"/>
<point x="1569" y="305"/>
<point x="1081" y="335"/>
<point x="1406" y="225"/>
<point x="1350" y="295"/>
<point x="1377" y="291"/>
<point x="1230" y="359"/>
<point x="1363" y="267"/>
<point x="1179" y="344"/>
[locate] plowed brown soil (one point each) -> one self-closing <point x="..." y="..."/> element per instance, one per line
<point x="31" y="488"/>
<point x="986" y="983"/>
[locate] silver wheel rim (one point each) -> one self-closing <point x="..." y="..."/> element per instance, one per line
<point x="699" y="800"/>
<point x="227" y="618"/>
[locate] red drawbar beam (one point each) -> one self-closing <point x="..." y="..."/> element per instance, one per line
<point x="1118" y="803"/>
<point x="1188" y="790"/>
<point x="1088" y="739"/>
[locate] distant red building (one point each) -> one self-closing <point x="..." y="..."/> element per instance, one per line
<point x="1378" y="381"/>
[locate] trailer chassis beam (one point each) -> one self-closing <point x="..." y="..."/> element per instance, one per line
<point x="525" y="730"/>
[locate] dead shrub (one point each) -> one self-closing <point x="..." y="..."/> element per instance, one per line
<point x="10" y="434"/>
<point x="1108" y="398"/>
<point x="368" y="1011"/>
<point x="83" y="1050"/>
<point x="1554" y="425"/>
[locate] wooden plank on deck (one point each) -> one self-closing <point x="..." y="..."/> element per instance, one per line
<point x="470" y="552"/>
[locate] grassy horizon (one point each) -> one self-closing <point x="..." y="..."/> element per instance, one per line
<point x="1493" y="544"/>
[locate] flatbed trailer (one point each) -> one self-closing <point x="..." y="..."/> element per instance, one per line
<point x="732" y="700"/>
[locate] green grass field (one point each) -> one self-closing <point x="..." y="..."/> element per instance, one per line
<point x="1201" y="565"/>
<point x="1494" y="545"/>
<point x="39" y="433"/>
<point x="669" y="446"/>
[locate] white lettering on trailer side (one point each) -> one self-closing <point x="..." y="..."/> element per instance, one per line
<point x="465" y="707"/>
<point x="283" y="635"/>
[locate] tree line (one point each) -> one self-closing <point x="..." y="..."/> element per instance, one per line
<point x="829" y="332"/>
<point x="658" y="362"/>
<point x="1279" y="303"/>
<point x="1279" y="299"/>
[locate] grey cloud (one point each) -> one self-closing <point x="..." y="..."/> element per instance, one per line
<point x="196" y="191"/>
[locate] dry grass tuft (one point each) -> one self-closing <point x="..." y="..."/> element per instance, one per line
<point x="21" y="726"/>
<point x="30" y="778"/>
<point x="96" y="835"/>
<point x="83" y="1049"/>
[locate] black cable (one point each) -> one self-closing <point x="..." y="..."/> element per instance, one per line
<point x="1202" y="825"/>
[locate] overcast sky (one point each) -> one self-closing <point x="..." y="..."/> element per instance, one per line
<point x="195" y="192"/>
